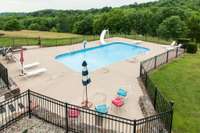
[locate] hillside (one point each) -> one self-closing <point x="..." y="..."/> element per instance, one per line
<point x="168" y="19"/>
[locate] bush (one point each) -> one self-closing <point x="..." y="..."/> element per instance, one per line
<point x="12" y="25"/>
<point x="192" y="48"/>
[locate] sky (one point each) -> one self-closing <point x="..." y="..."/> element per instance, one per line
<point x="34" y="5"/>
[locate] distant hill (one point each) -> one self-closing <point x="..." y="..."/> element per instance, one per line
<point x="163" y="18"/>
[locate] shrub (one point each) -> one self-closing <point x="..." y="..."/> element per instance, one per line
<point x="192" y="48"/>
<point x="12" y="25"/>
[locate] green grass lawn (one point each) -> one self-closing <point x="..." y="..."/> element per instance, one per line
<point x="180" y="81"/>
<point x="29" y="37"/>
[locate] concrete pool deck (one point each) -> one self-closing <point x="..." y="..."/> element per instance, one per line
<point x="64" y="84"/>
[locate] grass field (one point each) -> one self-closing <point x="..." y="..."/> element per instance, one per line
<point x="28" y="37"/>
<point x="146" y="38"/>
<point x="180" y="81"/>
<point x="36" y="34"/>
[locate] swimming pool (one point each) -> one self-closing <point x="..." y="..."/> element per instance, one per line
<point x="100" y="56"/>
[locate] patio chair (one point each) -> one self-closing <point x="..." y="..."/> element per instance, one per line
<point x="173" y="45"/>
<point x="10" y="57"/>
<point x="122" y="93"/>
<point x="117" y="103"/>
<point x="102" y="109"/>
<point x="74" y="116"/>
<point x="34" y="72"/>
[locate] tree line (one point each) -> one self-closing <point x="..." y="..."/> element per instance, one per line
<point x="168" y="19"/>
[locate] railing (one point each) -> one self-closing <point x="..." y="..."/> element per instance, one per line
<point x="160" y="103"/>
<point x="4" y="81"/>
<point x="76" y="119"/>
<point x="17" y="42"/>
<point x="13" y="109"/>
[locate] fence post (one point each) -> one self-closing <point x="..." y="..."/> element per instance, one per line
<point x="134" y="128"/>
<point x="29" y="104"/>
<point x="176" y="52"/>
<point x="140" y="69"/>
<point x="13" y="42"/>
<point x="154" y="101"/>
<point x="66" y="119"/>
<point x="155" y="65"/>
<point x="70" y="40"/>
<point x="167" y="57"/>
<point x="172" y="112"/>
<point x="146" y="79"/>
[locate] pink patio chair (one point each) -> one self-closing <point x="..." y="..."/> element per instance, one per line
<point x="74" y="116"/>
<point x="118" y="103"/>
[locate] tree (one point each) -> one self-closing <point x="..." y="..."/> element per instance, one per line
<point x="172" y="27"/>
<point x="53" y="29"/>
<point x="194" y="27"/>
<point x="117" y="22"/>
<point x="64" y="23"/>
<point x="99" y="23"/>
<point x="34" y="26"/>
<point x="12" y="25"/>
<point x="84" y="26"/>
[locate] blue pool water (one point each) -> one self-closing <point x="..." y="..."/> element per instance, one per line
<point x="100" y="56"/>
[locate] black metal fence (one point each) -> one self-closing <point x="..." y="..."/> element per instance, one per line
<point x="4" y="81"/>
<point x="76" y="119"/>
<point x="160" y="103"/>
<point x="45" y="42"/>
<point x="13" y="109"/>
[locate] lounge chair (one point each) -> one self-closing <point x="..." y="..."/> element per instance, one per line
<point x="171" y="45"/>
<point x="27" y="66"/>
<point x="10" y="57"/>
<point x="34" y="72"/>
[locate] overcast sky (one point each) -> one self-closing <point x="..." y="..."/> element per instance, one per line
<point x="33" y="5"/>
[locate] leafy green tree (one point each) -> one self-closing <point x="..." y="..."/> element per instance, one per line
<point x="84" y="26"/>
<point x="12" y="25"/>
<point x="53" y="29"/>
<point x="99" y="23"/>
<point x="64" y="23"/>
<point x="172" y="27"/>
<point x="117" y="22"/>
<point x="194" y="27"/>
<point x="34" y="26"/>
